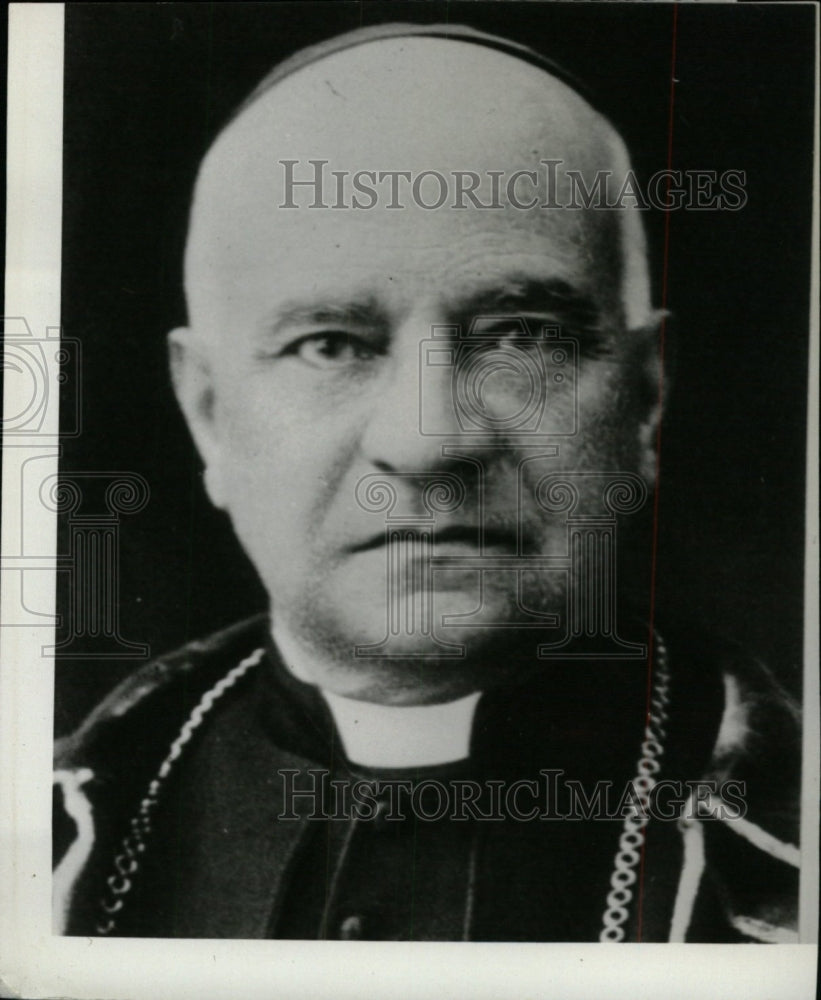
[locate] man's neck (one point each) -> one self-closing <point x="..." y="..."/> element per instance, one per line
<point x="405" y="735"/>
<point x="377" y="735"/>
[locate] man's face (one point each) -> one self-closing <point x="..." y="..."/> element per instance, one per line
<point x="349" y="352"/>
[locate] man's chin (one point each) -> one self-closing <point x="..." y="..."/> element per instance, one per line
<point x="458" y="648"/>
<point x="412" y="679"/>
<point x="451" y="622"/>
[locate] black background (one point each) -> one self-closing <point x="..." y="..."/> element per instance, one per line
<point x="147" y="86"/>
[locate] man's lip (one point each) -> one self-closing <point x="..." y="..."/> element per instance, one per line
<point x="453" y="535"/>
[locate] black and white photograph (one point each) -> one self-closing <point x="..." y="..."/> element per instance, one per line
<point x="409" y="529"/>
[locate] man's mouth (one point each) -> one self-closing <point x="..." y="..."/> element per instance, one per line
<point x="444" y="539"/>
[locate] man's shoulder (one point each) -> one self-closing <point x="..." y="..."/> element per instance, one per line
<point x="730" y="715"/>
<point x="758" y="719"/>
<point x="733" y="720"/>
<point x="104" y="769"/>
<point x="151" y="704"/>
<point x="753" y="809"/>
<point x="729" y="720"/>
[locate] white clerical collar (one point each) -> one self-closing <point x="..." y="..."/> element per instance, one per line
<point x="392" y="735"/>
<point x="403" y="735"/>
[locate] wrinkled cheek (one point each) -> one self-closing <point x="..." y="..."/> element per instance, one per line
<point x="608" y="428"/>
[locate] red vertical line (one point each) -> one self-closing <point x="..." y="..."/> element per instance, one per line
<point x="656" y="490"/>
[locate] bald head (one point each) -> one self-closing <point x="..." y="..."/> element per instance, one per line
<point x="396" y="108"/>
<point x="326" y="330"/>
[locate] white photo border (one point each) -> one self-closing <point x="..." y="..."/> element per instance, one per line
<point x="34" y="963"/>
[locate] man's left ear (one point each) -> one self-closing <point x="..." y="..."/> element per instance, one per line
<point x="655" y="361"/>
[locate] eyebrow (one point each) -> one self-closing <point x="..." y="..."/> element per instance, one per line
<point x="550" y="297"/>
<point x="365" y="311"/>
<point x="526" y="295"/>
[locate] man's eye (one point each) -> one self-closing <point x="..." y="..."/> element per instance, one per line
<point x="330" y="349"/>
<point x="512" y="337"/>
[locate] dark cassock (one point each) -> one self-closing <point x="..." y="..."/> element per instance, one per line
<point x="270" y="782"/>
<point x="196" y="801"/>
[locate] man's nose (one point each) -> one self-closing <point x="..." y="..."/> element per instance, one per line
<point x="415" y="413"/>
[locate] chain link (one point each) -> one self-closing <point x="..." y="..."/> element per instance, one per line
<point x="632" y="836"/>
<point x="126" y="862"/>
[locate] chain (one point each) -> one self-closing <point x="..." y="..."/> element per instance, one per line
<point x="632" y="836"/>
<point x="126" y="862"/>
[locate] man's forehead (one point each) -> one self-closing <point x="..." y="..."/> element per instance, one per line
<point x="416" y="103"/>
<point x="399" y="104"/>
<point x="388" y="114"/>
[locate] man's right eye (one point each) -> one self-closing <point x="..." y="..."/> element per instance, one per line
<point x="329" y="349"/>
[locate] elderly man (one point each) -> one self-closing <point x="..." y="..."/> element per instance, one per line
<point x="423" y="380"/>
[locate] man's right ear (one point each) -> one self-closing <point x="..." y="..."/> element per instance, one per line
<point x="192" y="377"/>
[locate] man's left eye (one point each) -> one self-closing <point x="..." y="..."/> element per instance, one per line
<point x="511" y="337"/>
<point x="330" y="349"/>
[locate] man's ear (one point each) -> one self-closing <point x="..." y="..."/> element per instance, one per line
<point x="654" y="345"/>
<point x="192" y="376"/>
